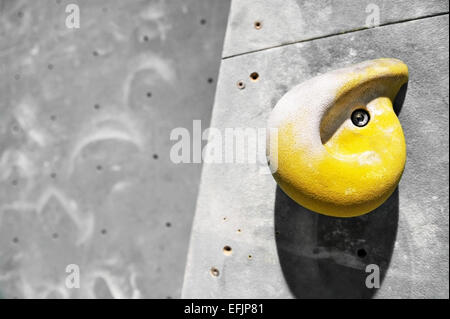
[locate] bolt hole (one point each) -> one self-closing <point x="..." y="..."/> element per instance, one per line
<point x="55" y="235"/>
<point x="53" y="118"/>
<point x="104" y="231"/>
<point x="53" y="175"/>
<point x="361" y="253"/>
<point x="149" y="94"/>
<point x="97" y="106"/>
<point x="214" y="272"/>
<point x="250" y="256"/>
<point x="239" y="230"/>
<point x="50" y="66"/>
<point x="99" y="167"/>
<point x="254" y="76"/>
<point x="258" y="25"/>
<point x="227" y="250"/>
<point x="15" y="240"/>
<point x="203" y="21"/>
<point x="360" y="117"/>
<point x="241" y="85"/>
<point x="145" y="38"/>
<point x="95" y="53"/>
<point x="168" y="224"/>
<point x="210" y="80"/>
<point x="15" y="129"/>
<point x="155" y="156"/>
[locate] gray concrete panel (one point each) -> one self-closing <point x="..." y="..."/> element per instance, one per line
<point x="280" y="249"/>
<point x="286" y="21"/>
<point x="85" y="173"/>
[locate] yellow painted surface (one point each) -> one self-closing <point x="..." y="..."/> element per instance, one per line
<point x="357" y="168"/>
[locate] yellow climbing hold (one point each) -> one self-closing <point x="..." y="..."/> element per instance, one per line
<point x="326" y="161"/>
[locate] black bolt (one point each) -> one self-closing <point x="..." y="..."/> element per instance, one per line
<point x="360" y="117"/>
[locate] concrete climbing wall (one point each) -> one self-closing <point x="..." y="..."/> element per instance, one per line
<point x="249" y="240"/>
<point x="85" y="118"/>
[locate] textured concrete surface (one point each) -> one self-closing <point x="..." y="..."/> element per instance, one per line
<point x="278" y="248"/>
<point x="85" y="174"/>
<point x="287" y="21"/>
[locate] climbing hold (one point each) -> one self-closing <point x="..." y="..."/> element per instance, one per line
<point x="340" y="149"/>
